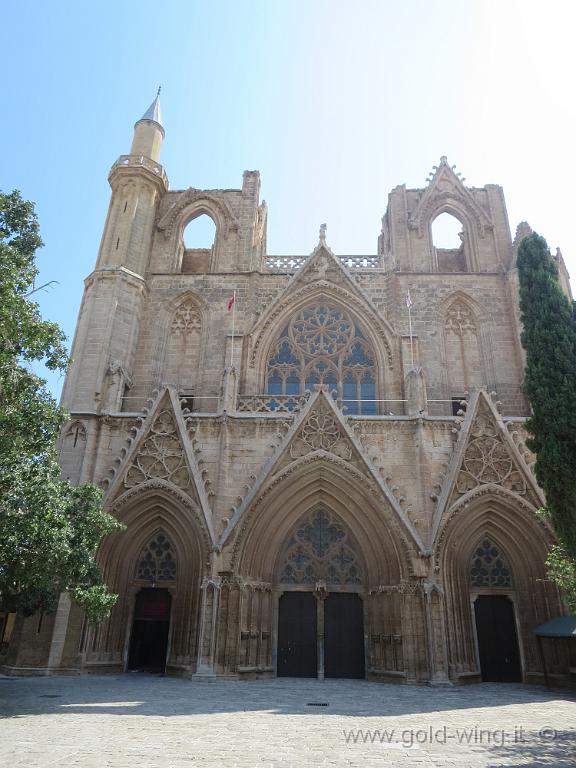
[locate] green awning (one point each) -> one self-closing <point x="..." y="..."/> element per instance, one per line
<point x="562" y="626"/>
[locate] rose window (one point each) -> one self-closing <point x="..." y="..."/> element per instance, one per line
<point x="323" y="345"/>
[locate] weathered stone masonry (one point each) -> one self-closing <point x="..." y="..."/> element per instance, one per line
<point x="321" y="414"/>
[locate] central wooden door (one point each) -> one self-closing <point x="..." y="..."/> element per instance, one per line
<point x="344" y="635"/>
<point x="297" y="651"/>
<point x="497" y="639"/>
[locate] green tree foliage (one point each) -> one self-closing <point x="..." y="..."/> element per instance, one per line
<point x="549" y="338"/>
<point x="562" y="571"/>
<point x="49" y="529"/>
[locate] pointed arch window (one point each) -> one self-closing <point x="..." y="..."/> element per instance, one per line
<point x="489" y="567"/>
<point x="449" y="240"/>
<point x="157" y="561"/>
<point x="322" y="344"/>
<point x="320" y="549"/>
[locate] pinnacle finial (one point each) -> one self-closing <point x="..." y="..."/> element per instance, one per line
<point x="322" y="234"/>
<point x="153" y="112"/>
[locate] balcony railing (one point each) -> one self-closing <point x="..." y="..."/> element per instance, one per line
<point x="293" y="263"/>
<point x="142" y="162"/>
<point x="270" y="403"/>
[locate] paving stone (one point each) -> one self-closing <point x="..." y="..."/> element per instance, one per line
<point x="147" y="721"/>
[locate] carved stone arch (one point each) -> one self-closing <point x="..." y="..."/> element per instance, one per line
<point x="464" y="328"/>
<point x="190" y="205"/>
<point x="193" y="203"/>
<point x="517" y="529"/>
<point x="145" y="510"/>
<point x="303" y="486"/>
<point x="470" y="222"/>
<point x="512" y="517"/>
<point x="182" y="340"/>
<point x="166" y="496"/>
<point x="376" y="331"/>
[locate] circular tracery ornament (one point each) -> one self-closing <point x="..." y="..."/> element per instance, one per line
<point x="321" y="330"/>
<point x="320" y="432"/>
<point x="487" y="460"/>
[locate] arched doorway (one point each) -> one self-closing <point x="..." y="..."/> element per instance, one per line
<point x="320" y="610"/>
<point x="495" y="621"/>
<point x="152" y="608"/>
<point x="149" y="636"/>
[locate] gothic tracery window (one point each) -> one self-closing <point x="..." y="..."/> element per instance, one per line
<point x="322" y="344"/>
<point x="183" y="346"/>
<point x="320" y="550"/>
<point x="489" y="568"/>
<point x="157" y="561"/>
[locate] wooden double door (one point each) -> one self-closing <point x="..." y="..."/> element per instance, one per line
<point x="321" y="636"/>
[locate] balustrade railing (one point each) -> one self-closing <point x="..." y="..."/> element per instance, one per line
<point x="270" y="403"/>
<point x="293" y="263"/>
<point x="143" y="162"/>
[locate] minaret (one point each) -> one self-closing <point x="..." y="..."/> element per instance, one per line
<point x="149" y="132"/>
<point x="110" y="315"/>
<point x="138" y="181"/>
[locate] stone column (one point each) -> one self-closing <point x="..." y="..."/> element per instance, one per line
<point x="417" y="402"/>
<point x="229" y="389"/>
<point x="320" y="594"/>
<point x="436" y="634"/>
<point x="210" y="590"/>
<point x="59" y="631"/>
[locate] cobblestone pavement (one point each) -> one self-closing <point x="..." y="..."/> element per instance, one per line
<point x="149" y="721"/>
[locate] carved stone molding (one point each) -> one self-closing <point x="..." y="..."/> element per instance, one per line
<point x="160" y="456"/>
<point x="285" y="307"/>
<point x="179" y="497"/>
<point x="186" y="319"/>
<point x="321" y="432"/>
<point x="460" y="319"/>
<point x="168" y="221"/>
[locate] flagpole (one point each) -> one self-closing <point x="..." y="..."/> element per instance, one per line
<point x="411" y="339"/>
<point x="233" y="325"/>
<point x="409" y="305"/>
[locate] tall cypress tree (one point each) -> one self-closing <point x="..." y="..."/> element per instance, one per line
<point x="549" y="338"/>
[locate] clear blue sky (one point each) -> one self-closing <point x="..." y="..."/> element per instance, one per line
<point x="334" y="102"/>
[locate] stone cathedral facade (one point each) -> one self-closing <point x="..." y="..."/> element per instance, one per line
<point x="320" y="460"/>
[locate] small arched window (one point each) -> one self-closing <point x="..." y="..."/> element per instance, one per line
<point x="448" y="239"/>
<point x="198" y="239"/>
<point x="157" y="561"/>
<point x="322" y="344"/>
<point x="489" y="567"/>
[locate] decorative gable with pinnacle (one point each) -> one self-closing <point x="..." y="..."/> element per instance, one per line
<point x="162" y="451"/>
<point x="322" y="273"/>
<point x="486" y="455"/>
<point x="447" y="186"/>
<point x="160" y="456"/>
<point x="321" y="433"/>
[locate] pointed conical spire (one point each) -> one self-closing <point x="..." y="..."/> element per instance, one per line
<point x="154" y="112"/>
<point x="149" y="132"/>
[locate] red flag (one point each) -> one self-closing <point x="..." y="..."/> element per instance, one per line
<point x="231" y="301"/>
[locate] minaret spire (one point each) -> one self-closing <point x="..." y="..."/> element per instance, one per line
<point x="149" y="131"/>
